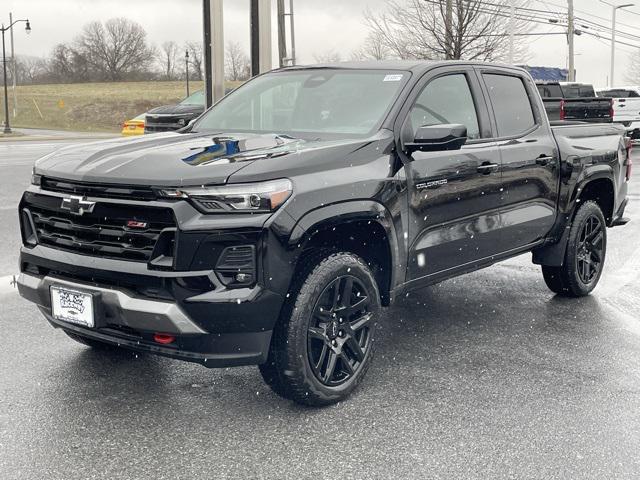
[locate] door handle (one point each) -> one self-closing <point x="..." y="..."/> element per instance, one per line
<point x="544" y="160"/>
<point x="486" y="168"/>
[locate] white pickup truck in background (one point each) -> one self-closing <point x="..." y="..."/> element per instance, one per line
<point x="626" y="108"/>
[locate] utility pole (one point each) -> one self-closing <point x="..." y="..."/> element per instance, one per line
<point x="260" y="36"/>
<point x="512" y="27"/>
<point x="293" y="33"/>
<point x="255" y="37"/>
<point x="448" y="20"/>
<point x="186" y="68"/>
<point x="282" y="34"/>
<point x="613" y="44"/>
<point x="15" y="70"/>
<point x="217" y="49"/>
<point x="614" y="9"/>
<point x="570" y="34"/>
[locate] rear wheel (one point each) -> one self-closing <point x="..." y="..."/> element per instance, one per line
<point x="584" y="257"/>
<point x="324" y="342"/>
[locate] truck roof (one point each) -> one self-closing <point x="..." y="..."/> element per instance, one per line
<point x="416" y="66"/>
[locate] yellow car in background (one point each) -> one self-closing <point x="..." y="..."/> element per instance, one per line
<point x="135" y="126"/>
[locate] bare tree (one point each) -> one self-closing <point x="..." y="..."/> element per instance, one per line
<point x="68" y="65"/>
<point x="373" y="48"/>
<point x="115" y="49"/>
<point x="30" y="69"/>
<point x="633" y="70"/>
<point x="195" y="59"/>
<point x="237" y="65"/>
<point x="166" y="57"/>
<point x="330" y="56"/>
<point x="415" y="29"/>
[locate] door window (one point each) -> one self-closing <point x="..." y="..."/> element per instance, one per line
<point x="511" y="104"/>
<point x="446" y="99"/>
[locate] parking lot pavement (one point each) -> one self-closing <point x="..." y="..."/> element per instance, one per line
<point x="484" y="376"/>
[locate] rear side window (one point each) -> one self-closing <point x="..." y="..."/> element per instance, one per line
<point x="511" y="104"/>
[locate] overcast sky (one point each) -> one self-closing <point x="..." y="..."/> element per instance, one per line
<point x="321" y="26"/>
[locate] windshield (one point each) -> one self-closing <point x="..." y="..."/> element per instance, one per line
<point x="303" y="102"/>
<point x="194" y="99"/>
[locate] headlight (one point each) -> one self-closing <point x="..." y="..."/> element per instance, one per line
<point x="241" y="197"/>
<point x="36" y="179"/>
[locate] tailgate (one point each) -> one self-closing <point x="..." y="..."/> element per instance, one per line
<point x="626" y="109"/>
<point x="586" y="109"/>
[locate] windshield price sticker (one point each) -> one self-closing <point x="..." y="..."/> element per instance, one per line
<point x="392" y="78"/>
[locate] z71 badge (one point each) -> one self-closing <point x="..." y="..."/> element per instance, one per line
<point x="431" y="184"/>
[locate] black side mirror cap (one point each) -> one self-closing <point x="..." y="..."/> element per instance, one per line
<point x="434" y="138"/>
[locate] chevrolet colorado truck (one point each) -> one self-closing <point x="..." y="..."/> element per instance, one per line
<point x="274" y="229"/>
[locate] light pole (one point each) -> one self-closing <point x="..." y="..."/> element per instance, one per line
<point x="7" y="128"/>
<point x="186" y="65"/>
<point x="614" y="9"/>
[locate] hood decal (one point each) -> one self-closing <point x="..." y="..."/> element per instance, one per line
<point x="231" y="150"/>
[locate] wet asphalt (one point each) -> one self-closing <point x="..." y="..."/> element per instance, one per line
<point x="485" y="376"/>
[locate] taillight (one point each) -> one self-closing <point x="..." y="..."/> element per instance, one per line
<point x="561" y="109"/>
<point x="611" y="109"/>
<point x="629" y="162"/>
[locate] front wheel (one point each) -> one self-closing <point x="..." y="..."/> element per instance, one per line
<point x="324" y="341"/>
<point x="584" y="257"/>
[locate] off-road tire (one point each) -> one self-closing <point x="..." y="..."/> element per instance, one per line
<point x="566" y="280"/>
<point x="288" y="369"/>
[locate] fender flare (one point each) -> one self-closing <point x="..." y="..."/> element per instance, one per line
<point x="346" y="212"/>
<point x="553" y="254"/>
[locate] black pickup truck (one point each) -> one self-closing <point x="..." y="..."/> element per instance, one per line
<point x="575" y="101"/>
<point x="274" y="229"/>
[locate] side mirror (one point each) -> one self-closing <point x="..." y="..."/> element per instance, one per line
<point x="434" y="138"/>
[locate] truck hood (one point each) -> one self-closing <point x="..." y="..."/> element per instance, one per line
<point x="174" y="159"/>
<point x="177" y="110"/>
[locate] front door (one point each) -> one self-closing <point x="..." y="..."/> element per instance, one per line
<point x="453" y="196"/>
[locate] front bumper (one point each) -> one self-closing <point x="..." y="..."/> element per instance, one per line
<point x="219" y="328"/>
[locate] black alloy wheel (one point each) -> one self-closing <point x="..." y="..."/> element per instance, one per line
<point x="323" y="343"/>
<point x="589" y="253"/>
<point x="584" y="256"/>
<point x="339" y="333"/>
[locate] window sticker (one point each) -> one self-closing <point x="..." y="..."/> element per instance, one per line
<point x="392" y="78"/>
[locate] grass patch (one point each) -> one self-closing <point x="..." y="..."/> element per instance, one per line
<point x="91" y="107"/>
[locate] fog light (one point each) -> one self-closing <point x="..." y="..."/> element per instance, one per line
<point x="242" y="277"/>
<point x="163" y="338"/>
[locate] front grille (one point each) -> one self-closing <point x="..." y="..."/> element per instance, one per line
<point x="98" y="190"/>
<point x="158" y="128"/>
<point x="102" y="232"/>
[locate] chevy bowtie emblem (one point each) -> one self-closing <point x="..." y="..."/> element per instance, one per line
<point x="77" y="205"/>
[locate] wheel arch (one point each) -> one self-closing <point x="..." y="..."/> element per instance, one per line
<point x="598" y="187"/>
<point x="365" y="228"/>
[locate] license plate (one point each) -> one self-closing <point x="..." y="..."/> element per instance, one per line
<point x="72" y="306"/>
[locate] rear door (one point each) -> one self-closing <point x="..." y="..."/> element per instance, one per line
<point x="453" y="196"/>
<point x="529" y="157"/>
